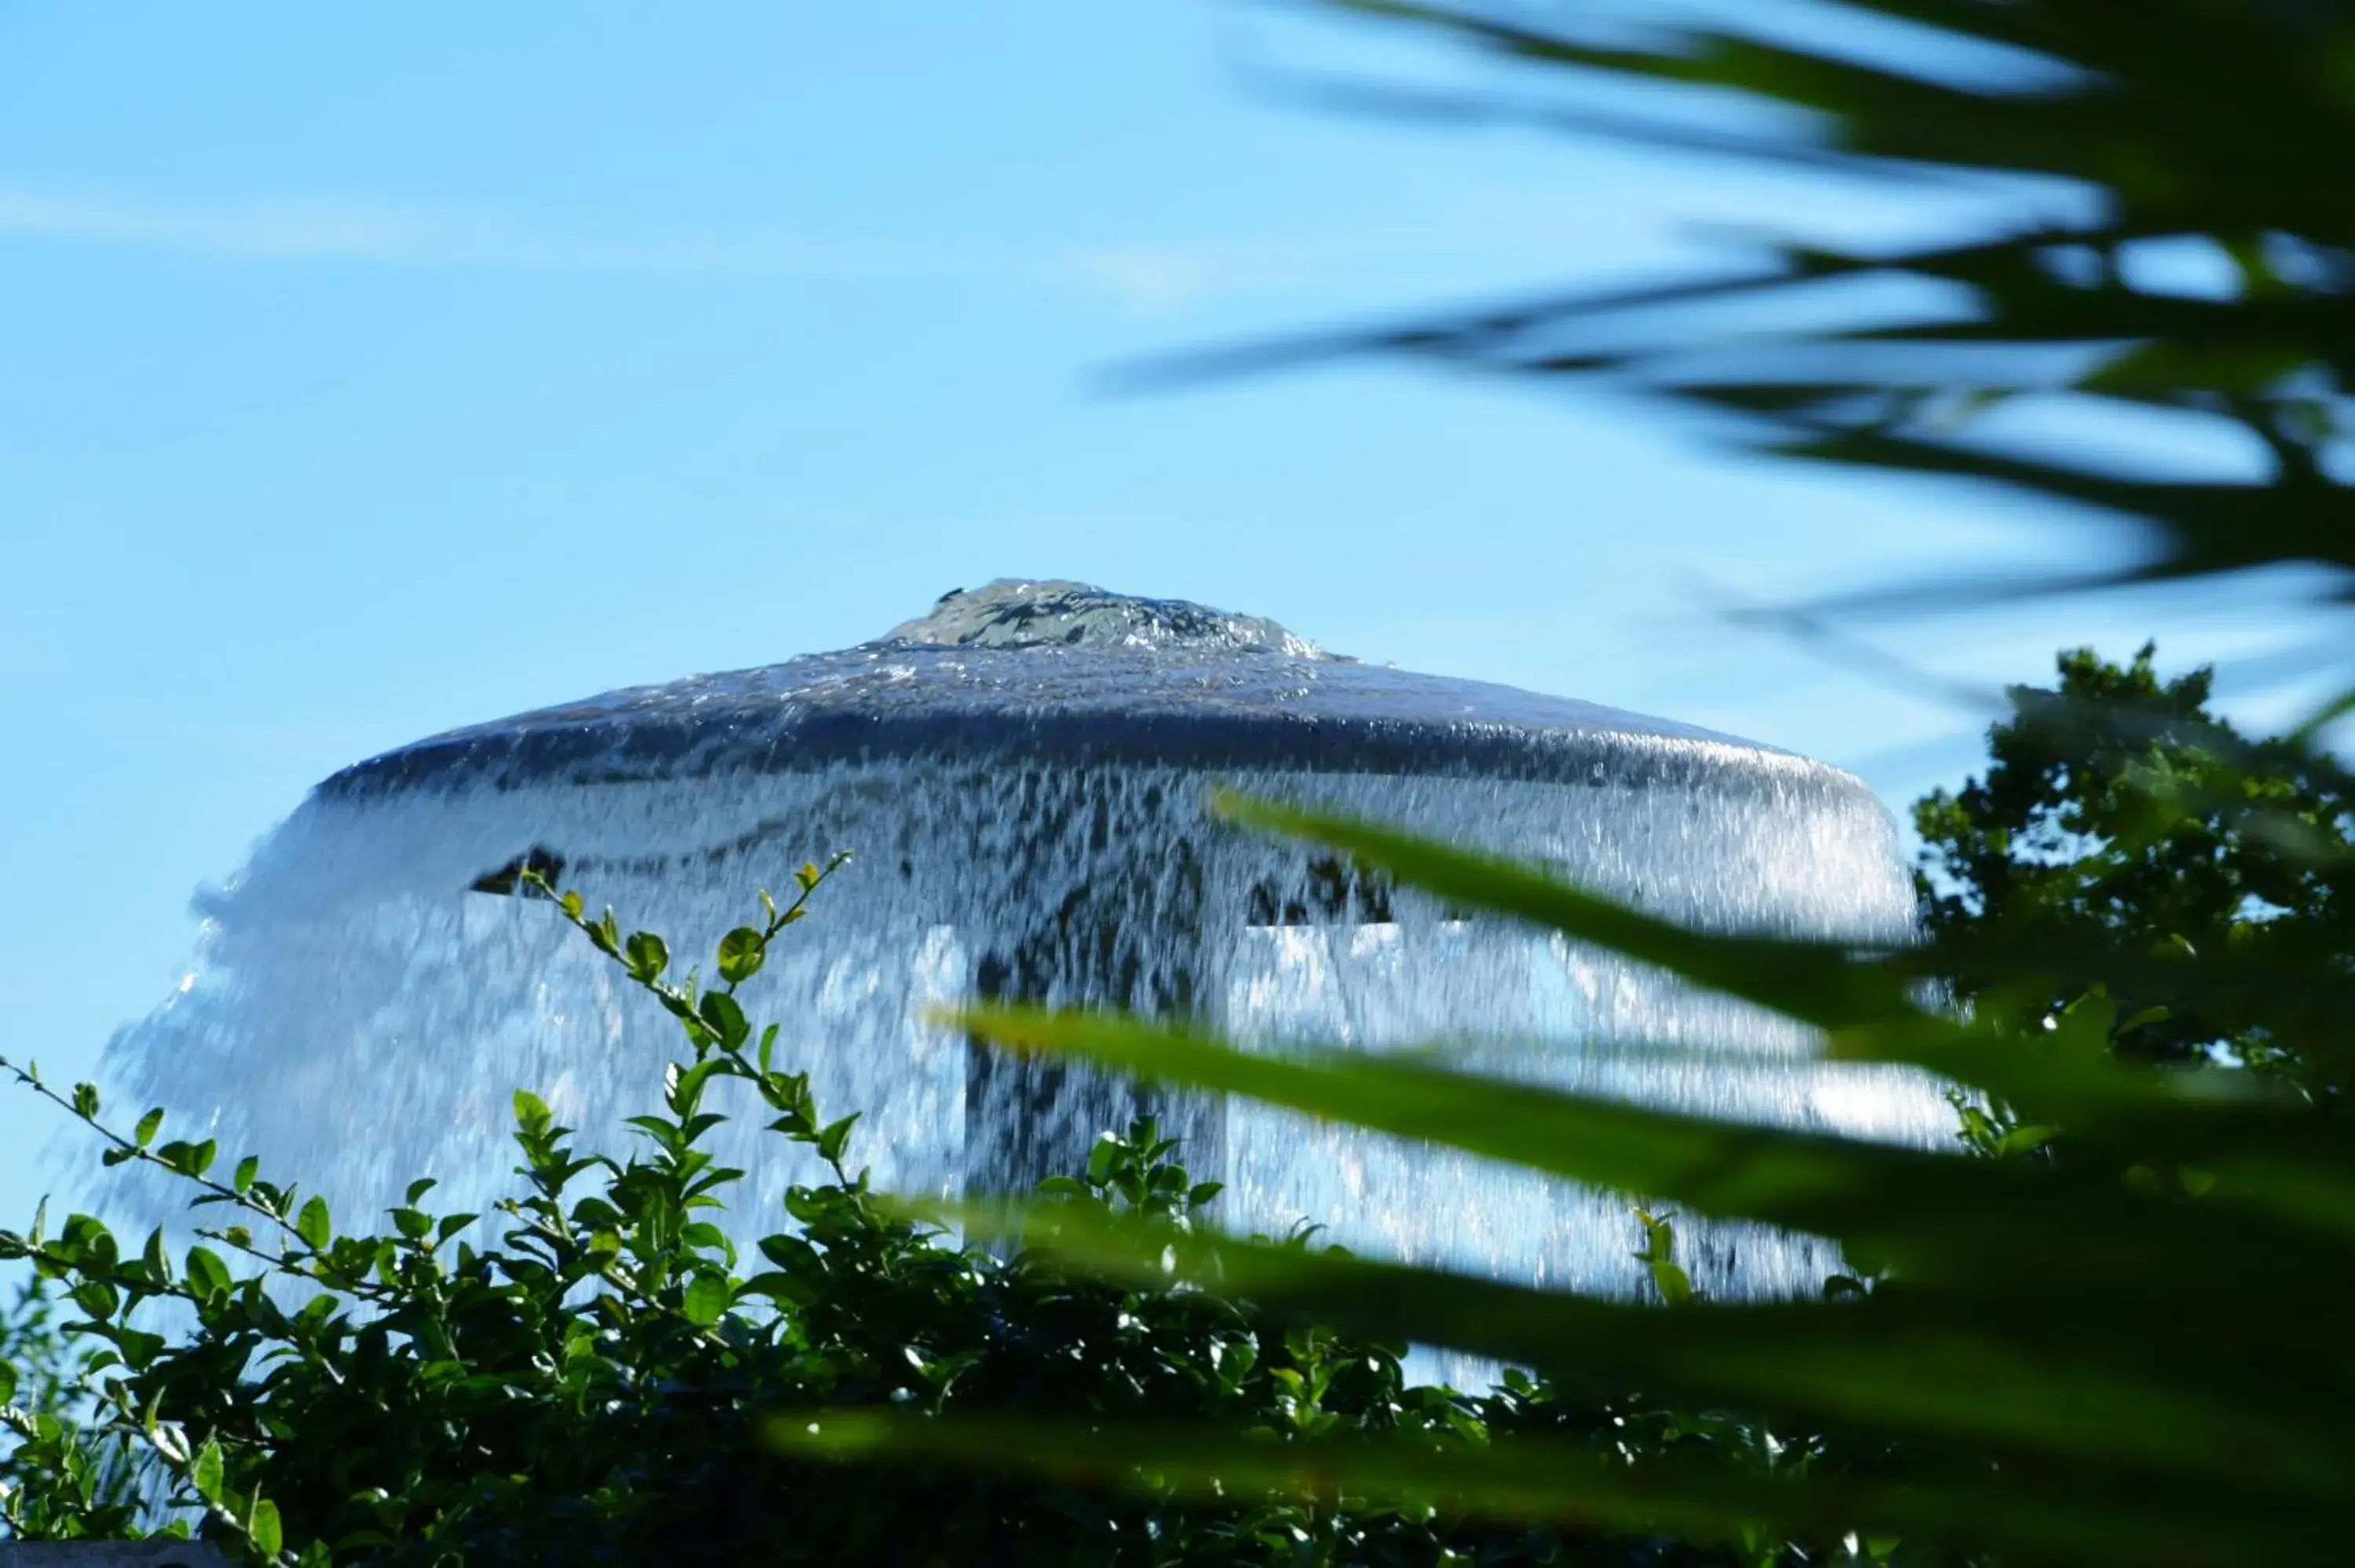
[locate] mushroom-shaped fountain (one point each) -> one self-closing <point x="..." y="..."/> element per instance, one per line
<point x="1021" y="775"/>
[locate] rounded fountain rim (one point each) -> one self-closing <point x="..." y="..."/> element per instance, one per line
<point x="1059" y="672"/>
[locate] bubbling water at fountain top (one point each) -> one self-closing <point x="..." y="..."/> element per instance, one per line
<point x="1021" y="775"/>
<point x="1013" y="613"/>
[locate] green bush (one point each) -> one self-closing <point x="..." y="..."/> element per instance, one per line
<point x="599" y="1382"/>
<point x="58" y="1478"/>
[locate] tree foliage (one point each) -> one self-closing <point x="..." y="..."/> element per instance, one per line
<point x="2117" y="811"/>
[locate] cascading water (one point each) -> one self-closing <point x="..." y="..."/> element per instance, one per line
<point x="1021" y="777"/>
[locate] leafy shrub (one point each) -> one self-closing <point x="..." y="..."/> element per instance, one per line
<point x="598" y="1382"/>
<point x="58" y="1481"/>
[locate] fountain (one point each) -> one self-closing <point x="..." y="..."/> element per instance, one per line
<point x="1021" y="775"/>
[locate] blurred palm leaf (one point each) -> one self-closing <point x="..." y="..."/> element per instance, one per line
<point x="2131" y="1354"/>
<point x="1540" y="1481"/>
<point x="2128" y="1348"/>
<point x="2128" y="138"/>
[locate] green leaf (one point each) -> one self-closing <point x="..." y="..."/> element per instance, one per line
<point x="1659" y="1258"/>
<point x="313" y="1224"/>
<point x="832" y="1138"/>
<point x="85" y="1100"/>
<point x="722" y="1015"/>
<point x="247" y="1169"/>
<point x="207" y="1274"/>
<point x="707" y="1299"/>
<point x="263" y="1526"/>
<point x="1987" y="1226"/>
<point x="2024" y="1140"/>
<point x="1817" y="982"/>
<point x="144" y="1133"/>
<point x="531" y="1113"/>
<point x="781" y="1286"/>
<point x="7" y="1382"/>
<point x="741" y="954"/>
<point x="205" y="1471"/>
<point x="646" y="955"/>
<point x="792" y="1253"/>
<point x="1894" y="1196"/>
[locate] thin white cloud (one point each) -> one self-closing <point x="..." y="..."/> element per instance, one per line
<point x="1145" y="277"/>
<point x="392" y="234"/>
<point x="262" y="230"/>
<point x="1149" y="279"/>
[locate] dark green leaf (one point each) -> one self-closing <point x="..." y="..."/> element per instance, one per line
<point x="1706" y="1500"/>
<point x="646" y="955"/>
<point x="1878" y="1360"/>
<point x="722" y="1015"/>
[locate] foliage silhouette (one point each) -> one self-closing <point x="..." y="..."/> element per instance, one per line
<point x="2130" y="1352"/>
<point x="2118" y="157"/>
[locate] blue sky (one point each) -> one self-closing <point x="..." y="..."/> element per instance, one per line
<point x="366" y="372"/>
